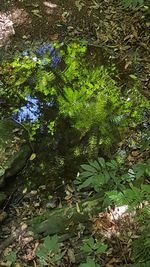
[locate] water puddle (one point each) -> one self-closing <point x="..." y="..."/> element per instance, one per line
<point x="58" y="155"/>
<point x="67" y="97"/>
<point x="28" y="112"/>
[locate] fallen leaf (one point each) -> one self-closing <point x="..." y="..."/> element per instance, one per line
<point x="36" y="13"/>
<point x="128" y="63"/>
<point x="132" y="76"/>
<point x="111" y="262"/>
<point x="71" y="255"/>
<point x="135" y="153"/>
<point x="49" y="4"/>
<point x="54" y="37"/>
<point x="33" y="156"/>
<point x="130" y="158"/>
<point x="79" y="4"/>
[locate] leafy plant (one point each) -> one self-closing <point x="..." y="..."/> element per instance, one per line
<point x="89" y="98"/>
<point x="130" y="192"/>
<point x="49" y="252"/>
<point x="144" y="140"/>
<point x="93" y="246"/>
<point x="98" y="173"/>
<point x="11" y="257"/>
<point x="141" y="253"/>
<point x="89" y="263"/>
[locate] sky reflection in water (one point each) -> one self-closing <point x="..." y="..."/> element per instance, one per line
<point x="28" y="112"/>
<point x="31" y="110"/>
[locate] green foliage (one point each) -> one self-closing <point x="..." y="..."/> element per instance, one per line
<point x="129" y="190"/>
<point x="141" y="253"/>
<point x="144" y="140"/>
<point x="20" y="70"/>
<point x="89" y="98"/>
<point x="89" y="263"/>
<point x="86" y="101"/>
<point x="93" y="246"/>
<point x="131" y="196"/>
<point x="133" y="3"/>
<point x="138" y="200"/>
<point x="49" y="252"/>
<point x="96" y="174"/>
<point x="11" y="257"/>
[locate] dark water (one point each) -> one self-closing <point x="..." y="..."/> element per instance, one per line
<point x="56" y="162"/>
<point x="58" y="154"/>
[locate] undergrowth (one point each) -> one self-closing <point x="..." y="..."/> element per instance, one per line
<point x="123" y="187"/>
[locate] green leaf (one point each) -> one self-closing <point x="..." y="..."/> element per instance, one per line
<point x="51" y="243"/>
<point x="86" y="174"/>
<point x="148" y="167"/>
<point x="88" y="245"/>
<point x="116" y="197"/>
<point x="106" y="175"/>
<point x="112" y="164"/>
<point x="96" y="165"/>
<point x="88" y="167"/>
<point x="133" y="76"/>
<point x="139" y="169"/>
<point x="86" y="183"/>
<point x="145" y="188"/>
<point x="58" y="257"/>
<point x="147" y="242"/>
<point x="87" y="248"/>
<point x="89" y="263"/>
<point x="42" y="262"/>
<point x="101" y="248"/>
<point x="11" y="257"/>
<point x="32" y="157"/>
<point x="102" y="162"/>
<point x="42" y="251"/>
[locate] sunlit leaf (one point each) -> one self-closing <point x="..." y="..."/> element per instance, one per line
<point x="32" y="157"/>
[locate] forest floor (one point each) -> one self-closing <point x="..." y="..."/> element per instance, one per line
<point x="124" y="34"/>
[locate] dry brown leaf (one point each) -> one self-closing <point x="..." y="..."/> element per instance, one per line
<point x="71" y="255"/>
<point x="49" y="4"/>
<point x="130" y="158"/>
<point x="135" y="153"/>
<point x="54" y="37"/>
<point x="128" y="63"/>
<point x="111" y="262"/>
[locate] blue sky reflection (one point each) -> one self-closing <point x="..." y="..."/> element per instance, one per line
<point x="28" y="112"/>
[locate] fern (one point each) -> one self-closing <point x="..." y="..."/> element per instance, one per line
<point x="141" y="248"/>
